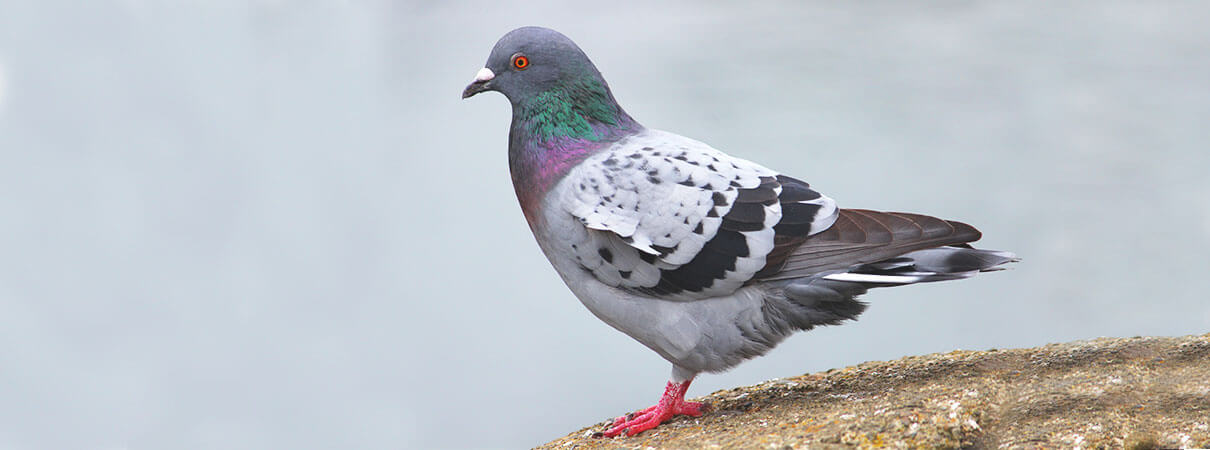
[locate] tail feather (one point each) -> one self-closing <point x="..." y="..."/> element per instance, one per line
<point x="922" y="266"/>
<point x="832" y="298"/>
<point x="863" y="237"/>
<point x="960" y="259"/>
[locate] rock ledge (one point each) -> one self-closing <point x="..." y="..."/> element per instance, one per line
<point x="1142" y="392"/>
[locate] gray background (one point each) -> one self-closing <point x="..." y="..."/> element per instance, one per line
<point x="274" y="224"/>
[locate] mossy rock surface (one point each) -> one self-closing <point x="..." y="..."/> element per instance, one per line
<point x="1142" y="392"/>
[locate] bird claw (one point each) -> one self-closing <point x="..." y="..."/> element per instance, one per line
<point x="672" y="403"/>
<point x="629" y="417"/>
<point x="646" y="419"/>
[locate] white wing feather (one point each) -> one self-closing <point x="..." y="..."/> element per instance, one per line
<point x="664" y="196"/>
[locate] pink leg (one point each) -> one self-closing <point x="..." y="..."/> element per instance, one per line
<point x="672" y="403"/>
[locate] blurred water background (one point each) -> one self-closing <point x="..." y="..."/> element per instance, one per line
<point x="274" y="224"/>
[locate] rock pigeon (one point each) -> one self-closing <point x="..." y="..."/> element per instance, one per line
<point x="705" y="258"/>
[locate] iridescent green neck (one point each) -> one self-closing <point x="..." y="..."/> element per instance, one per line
<point x="581" y="110"/>
<point x="554" y="130"/>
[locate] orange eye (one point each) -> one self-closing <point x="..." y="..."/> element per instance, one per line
<point x="520" y="62"/>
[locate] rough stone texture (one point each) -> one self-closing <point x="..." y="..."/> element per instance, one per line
<point x="1142" y="392"/>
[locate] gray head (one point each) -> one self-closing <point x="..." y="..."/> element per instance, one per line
<point x="530" y="60"/>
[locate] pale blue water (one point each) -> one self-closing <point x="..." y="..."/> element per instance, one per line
<point x="275" y="225"/>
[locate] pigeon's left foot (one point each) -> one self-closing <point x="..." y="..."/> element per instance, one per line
<point x="672" y="403"/>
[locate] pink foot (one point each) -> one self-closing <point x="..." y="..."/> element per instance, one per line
<point x="672" y="403"/>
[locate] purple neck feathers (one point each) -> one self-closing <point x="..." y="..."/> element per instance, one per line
<point x="537" y="163"/>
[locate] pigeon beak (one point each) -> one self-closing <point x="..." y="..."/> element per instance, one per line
<point x="480" y="84"/>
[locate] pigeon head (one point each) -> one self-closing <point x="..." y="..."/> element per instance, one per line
<point x="554" y="88"/>
<point x="529" y="61"/>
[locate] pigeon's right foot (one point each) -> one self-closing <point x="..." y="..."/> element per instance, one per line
<point x="672" y="403"/>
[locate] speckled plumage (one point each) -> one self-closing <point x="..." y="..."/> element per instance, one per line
<point x="678" y="220"/>
<point x="703" y="257"/>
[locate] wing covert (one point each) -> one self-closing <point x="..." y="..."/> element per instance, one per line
<point x="674" y="218"/>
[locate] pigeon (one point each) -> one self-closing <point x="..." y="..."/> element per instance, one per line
<point x="703" y="257"/>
